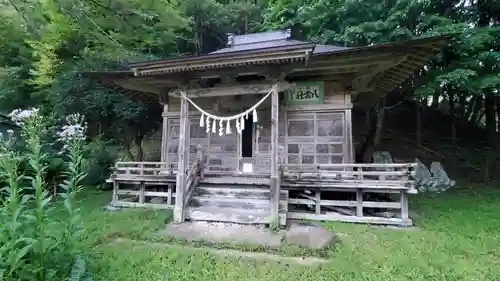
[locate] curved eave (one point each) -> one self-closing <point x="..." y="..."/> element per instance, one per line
<point x="392" y="64"/>
<point x="270" y="56"/>
<point x="417" y="55"/>
<point x="108" y="79"/>
<point x="135" y="95"/>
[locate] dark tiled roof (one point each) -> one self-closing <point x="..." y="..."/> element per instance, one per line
<point x="270" y="39"/>
<point x="278" y="43"/>
<point x="319" y="49"/>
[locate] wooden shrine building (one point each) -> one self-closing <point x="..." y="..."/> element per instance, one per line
<point x="261" y="131"/>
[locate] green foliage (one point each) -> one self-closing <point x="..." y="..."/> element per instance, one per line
<point x="100" y="156"/>
<point x="34" y="245"/>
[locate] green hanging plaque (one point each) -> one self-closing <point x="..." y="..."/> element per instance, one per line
<point x="304" y="93"/>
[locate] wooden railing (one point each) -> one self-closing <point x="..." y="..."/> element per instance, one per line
<point x="194" y="176"/>
<point x="187" y="183"/>
<point x="132" y="180"/>
<point x="311" y="181"/>
<point x="143" y="170"/>
<point x="275" y="190"/>
<point x="363" y="175"/>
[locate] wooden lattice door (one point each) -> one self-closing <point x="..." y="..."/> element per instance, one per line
<point x="316" y="138"/>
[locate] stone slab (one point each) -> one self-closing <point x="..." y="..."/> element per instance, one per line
<point x="309" y="235"/>
<point x="302" y="234"/>
<point x="305" y="261"/>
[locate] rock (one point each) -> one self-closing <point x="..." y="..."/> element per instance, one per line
<point x="382" y="157"/>
<point x="434" y="180"/>
<point x="387" y="214"/>
<point x="311" y="236"/>
<point x="441" y="180"/>
<point x="422" y="176"/>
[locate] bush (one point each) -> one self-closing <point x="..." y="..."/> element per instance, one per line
<point x="100" y="157"/>
<point x="34" y="245"/>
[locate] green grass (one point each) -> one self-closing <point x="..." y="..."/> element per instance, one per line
<point x="458" y="238"/>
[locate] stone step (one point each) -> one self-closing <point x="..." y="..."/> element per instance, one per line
<point x="257" y="205"/>
<point x="236" y="203"/>
<point x="243" y="203"/>
<point x="236" y="193"/>
<point x="232" y="215"/>
<point x="235" y="180"/>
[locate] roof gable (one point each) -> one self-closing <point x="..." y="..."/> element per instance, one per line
<point x="270" y="39"/>
<point x="253" y="38"/>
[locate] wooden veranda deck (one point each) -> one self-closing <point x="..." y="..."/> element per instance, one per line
<point x="361" y="193"/>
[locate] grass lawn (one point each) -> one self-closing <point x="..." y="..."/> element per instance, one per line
<point x="458" y="239"/>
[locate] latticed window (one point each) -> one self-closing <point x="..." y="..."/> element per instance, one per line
<point x="316" y="138"/>
<point x="221" y="151"/>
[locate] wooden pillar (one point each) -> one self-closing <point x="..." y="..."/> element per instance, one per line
<point x="348" y="130"/>
<point x="187" y="139"/>
<point x="275" y="181"/>
<point x="164" y="98"/>
<point x="164" y="137"/>
<point x="181" y="170"/>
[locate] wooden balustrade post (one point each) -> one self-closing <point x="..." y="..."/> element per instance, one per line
<point x="404" y="205"/>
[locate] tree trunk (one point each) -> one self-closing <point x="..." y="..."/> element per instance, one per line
<point x="476" y="110"/>
<point x="484" y="8"/>
<point x="462" y="110"/>
<point x="374" y="135"/>
<point x="246" y="24"/>
<point x="130" y="155"/>
<point x="498" y="116"/>
<point x="140" y="152"/>
<point x="451" y="98"/>
<point x="490" y="114"/>
<point x="435" y="100"/>
<point x="491" y="127"/>
<point x="380" y="123"/>
<point x="419" y="122"/>
<point x="453" y="116"/>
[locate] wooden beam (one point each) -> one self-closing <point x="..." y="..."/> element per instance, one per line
<point x="243" y="89"/>
<point x="352" y="219"/>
